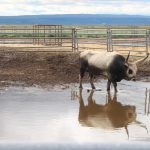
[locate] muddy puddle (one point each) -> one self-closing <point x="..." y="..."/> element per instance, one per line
<point x="60" y="114"/>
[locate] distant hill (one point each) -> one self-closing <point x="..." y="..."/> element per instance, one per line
<point x="77" y="19"/>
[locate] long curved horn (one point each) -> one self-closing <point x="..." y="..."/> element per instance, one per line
<point x="141" y="125"/>
<point x="128" y="57"/>
<point x="141" y="60"/>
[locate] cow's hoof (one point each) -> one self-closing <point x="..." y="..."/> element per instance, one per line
<point x="108" y="90"/>
<point x="116" y="90"/>
<point x="93" y="88"/>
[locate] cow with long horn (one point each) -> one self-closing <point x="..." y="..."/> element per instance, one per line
<point x="111" y="64"/>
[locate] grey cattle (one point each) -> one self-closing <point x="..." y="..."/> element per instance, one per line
<point x="111" y="64"/>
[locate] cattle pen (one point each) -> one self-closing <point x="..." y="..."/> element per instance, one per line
<point x="60" y="38"/>
<point x="39" y="86"/>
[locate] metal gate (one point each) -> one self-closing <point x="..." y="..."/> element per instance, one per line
<point x="133" y="40"/>
<point x="59" y="38"/>
<point x="94" y="39"/>
<point x="39" y="37"/>
<point x="122" y="40"/>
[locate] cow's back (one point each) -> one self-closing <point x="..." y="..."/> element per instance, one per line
<point x="98" y="59"/>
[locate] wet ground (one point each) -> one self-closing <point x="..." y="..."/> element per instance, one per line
<point x="40" y="103"/>
<point x="60" y="114"/>
<point x="43" y="68"/>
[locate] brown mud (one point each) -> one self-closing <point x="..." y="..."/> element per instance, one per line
<point x="43" y="68"/>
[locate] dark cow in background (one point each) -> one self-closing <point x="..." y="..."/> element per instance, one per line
<point x="111" y="64"/>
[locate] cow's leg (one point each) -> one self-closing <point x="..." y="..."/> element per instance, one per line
<point x="81" y="98"/>
<point x="109" y="97"/>
<point x="108" y="85"/>
<point x="91" y="81"/>
<point x="81" y="75"/>
<point x="90" y="98"/>
<point x="115" y="97"/>
<point x="115" y="86"/>
<point x="82" y="108"/>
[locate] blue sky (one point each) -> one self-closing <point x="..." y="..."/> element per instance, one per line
<point x="36" y="7"/>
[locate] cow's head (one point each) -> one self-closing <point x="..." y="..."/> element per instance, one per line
<point x="130" y="113"/>
<point x="131" y="68"/>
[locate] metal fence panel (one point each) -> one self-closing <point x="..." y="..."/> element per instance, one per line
<point x="52" y="37"/>
<point x="95" y="39"/>
<point x="133" y="40"/>
<point x="59" y="38"/>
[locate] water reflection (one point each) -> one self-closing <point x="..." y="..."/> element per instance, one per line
<point x="147" y="101"/>
<point x="111" y="115"/>
<point x="37" y="114"/>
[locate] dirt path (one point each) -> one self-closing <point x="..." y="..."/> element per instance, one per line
<point x="32" y="68"/>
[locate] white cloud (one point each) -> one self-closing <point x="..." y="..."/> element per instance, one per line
<point x="30" y="7"/>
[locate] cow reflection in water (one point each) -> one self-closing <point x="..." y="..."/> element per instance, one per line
<point x="109" y="116"/>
